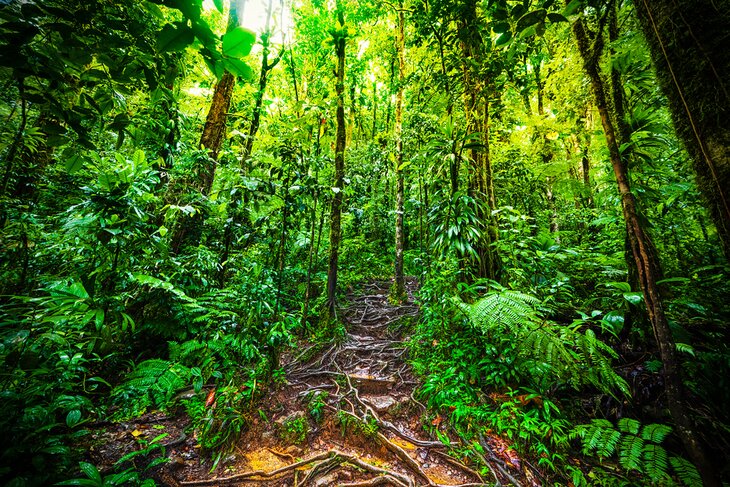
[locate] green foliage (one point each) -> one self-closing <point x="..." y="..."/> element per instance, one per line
<point x="461" y="368"/>
<point x="316" y="402"/>
<point x="122" y="284"/>
<point x="349" y="423"/>
<point x="132" y="475"/>
<point x="220" y="424"/>
<point x="294" y="430"/>
<point x="638" y="449"/>
<point x="152" y="383"/>
<point x="94" y="478"/>
<point x="546" y="353"/>
<point x="238" y="42"/>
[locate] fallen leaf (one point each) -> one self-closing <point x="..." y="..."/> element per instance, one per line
<point x="210" y="399"/>
<point x="136" y="433"/>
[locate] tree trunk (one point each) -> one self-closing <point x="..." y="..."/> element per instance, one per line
<point x="15" y="146"/>
<point x="399" y="289"/>
<point x="340" y="140"/>
<point x="688" y="43"/>
<point x="215" y="129"/>
<point x="211" y="140"/>
<point x="641" y="246"/>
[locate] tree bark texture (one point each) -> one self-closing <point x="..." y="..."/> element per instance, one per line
<point x="340" y="140"/>
<point x="211" y="139"/>
<point x="215" y="122"/>
<point x="215" y="129"/>
<point x="399" y="289"/>
<point x="641" y="246"/>
<point x="688" y="42"/>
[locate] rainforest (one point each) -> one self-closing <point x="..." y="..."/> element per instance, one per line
<point x="360" y="243"/>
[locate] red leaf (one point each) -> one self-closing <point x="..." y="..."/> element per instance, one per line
<point x="210" y="399"/>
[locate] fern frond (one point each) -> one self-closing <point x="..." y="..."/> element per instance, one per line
<point x="156" y="379"/>
<point x="546" y="349"/>
<point x="593" y="439"/>
<point x="609" y="440"/>
<point x="686" y="472"/>
<point x="655" y="432"/>
<point x="629" y="425"/>
<point x="592" y="435"/>
<point x="508" y="309"/>
<point x="630" y="451"/>
<point x="656" y="463"/>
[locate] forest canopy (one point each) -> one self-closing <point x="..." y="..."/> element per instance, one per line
<point x="192" y="192"/>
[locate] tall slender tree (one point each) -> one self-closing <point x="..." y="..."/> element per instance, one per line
<point x="399" y="289"/>
<point x="266" y="67"/>
<point x="340" y="41"/>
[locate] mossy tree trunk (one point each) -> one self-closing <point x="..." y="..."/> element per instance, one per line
<point x="688" y="42"/>
<point x="476" y="111"/>
<point x="340" y="141"/>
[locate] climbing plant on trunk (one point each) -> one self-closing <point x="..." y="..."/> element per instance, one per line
<point x="641" y="248"/>
<point x="340" y="40"/>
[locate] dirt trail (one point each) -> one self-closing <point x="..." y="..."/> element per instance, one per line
<point x="346" y="416"/>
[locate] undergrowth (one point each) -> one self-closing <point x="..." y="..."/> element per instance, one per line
<point x="496" y="362"/>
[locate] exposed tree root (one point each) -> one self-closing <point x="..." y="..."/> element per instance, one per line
<point x="383" y="480"/>
<point x="323" y="463"/>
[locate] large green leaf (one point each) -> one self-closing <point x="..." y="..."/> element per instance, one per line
<point x="238" y="42"/>
<point x="530" y="19"/>
<point x="74" y="161"/>
<point x="500" y="27"/>
<point x="175" y="37"/>
<point x="504" y="38"/>
<point x="204" y="34"/>
<point x="238" y="68"/>
<point x="572" y="7"/>
<point x="556" y="18"/>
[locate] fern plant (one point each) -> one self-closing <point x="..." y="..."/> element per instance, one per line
<point x="547" y="353"/>
<point x="151" y="383"/>
<point x="638" y="449"/>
